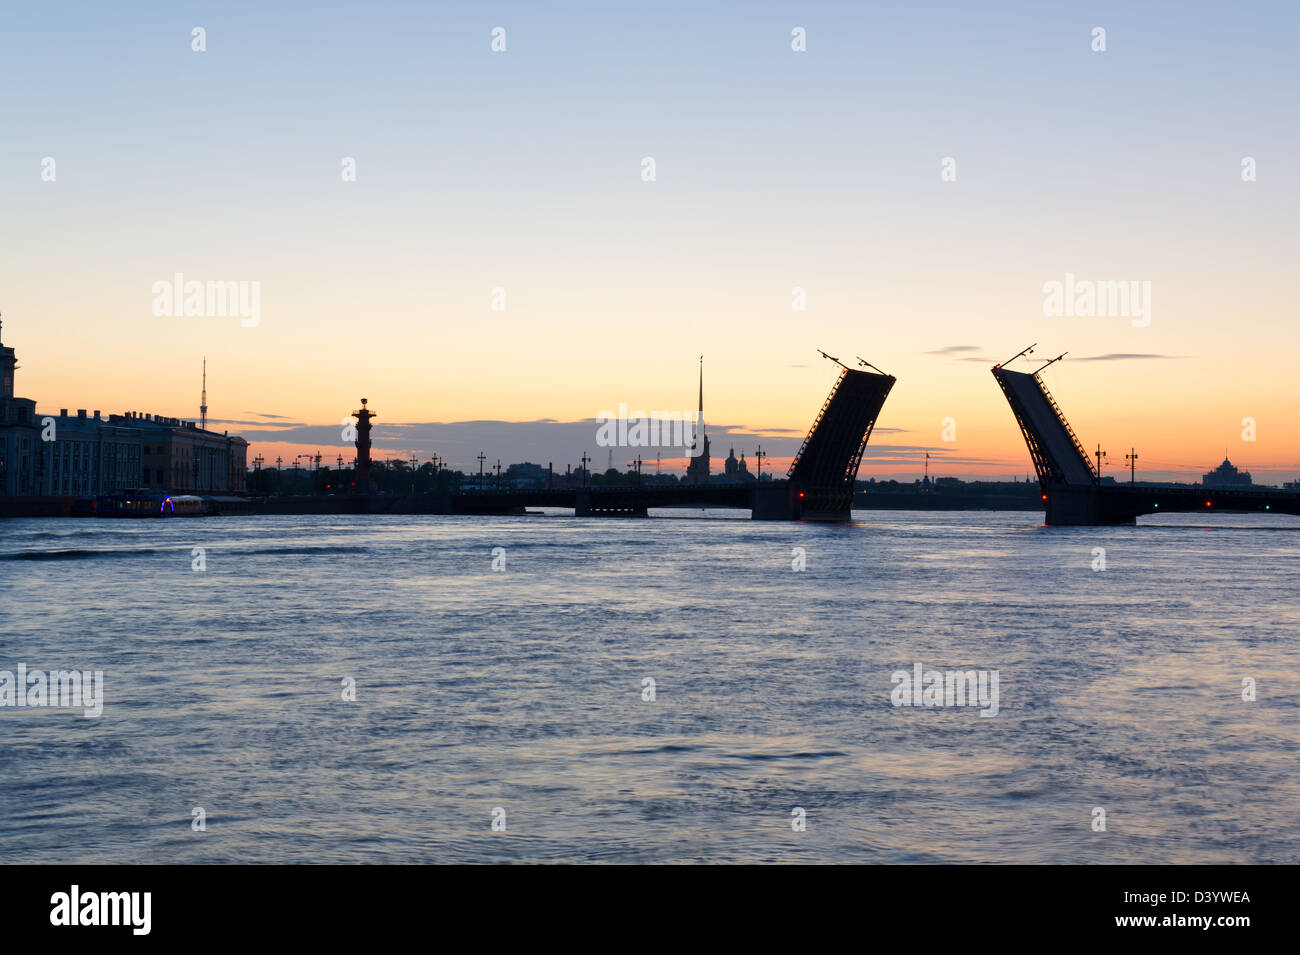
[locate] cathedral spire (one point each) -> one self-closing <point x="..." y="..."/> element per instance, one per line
<point x="700" y="417"/>
<point x="697" y="471"/>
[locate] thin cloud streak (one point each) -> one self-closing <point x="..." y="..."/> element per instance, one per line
<point x="1127" y="356"/>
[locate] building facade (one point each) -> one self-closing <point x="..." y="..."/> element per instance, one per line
<point x="180" y="457"/>
<point x="84" y="455"/>
<point x="20" y="436"/>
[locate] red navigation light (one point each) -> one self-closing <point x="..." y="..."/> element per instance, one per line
<point x="1044" y="497"/>
<point x="801" y="493"/>
<point x="996" y="367"/>
<point x="1207" y="504"/>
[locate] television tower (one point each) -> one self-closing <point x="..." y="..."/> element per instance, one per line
<point x="203" y="401"/>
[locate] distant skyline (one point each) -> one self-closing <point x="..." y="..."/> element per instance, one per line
<point x="516" y="177"/>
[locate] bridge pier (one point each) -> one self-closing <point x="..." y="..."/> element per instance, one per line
<point x="772" y="502"/>
<point x="1087" y="505"/>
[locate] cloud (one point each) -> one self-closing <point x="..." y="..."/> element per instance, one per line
<point x="543" y="441"/>
<point x="1110" y="356"/>
<point x="952" y="350"/>
<point x="939" y="456"/>
<point x="1125" y="356"/>
<point x="257" y="424"/>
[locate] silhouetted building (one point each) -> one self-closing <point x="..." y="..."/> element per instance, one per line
<point x="180" y="457"/>
<point x="526" y="475"/>
<point x="737" y="469"/>
<point x="88" y="456"/>
<point x="697" y="472"/>
<point x="19" y="433"/>
<point x="83" y="455"/>
<point x="1225" y="475"/>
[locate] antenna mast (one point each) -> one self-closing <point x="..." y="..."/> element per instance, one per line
<point x="203" y="401"/>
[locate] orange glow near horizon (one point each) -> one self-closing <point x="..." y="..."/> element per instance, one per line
<point x="1183" y="414"/>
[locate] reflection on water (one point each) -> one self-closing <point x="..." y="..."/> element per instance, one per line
<point x="522" y="689"/>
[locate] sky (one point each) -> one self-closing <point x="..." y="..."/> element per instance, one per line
<point x="485" y="177"/>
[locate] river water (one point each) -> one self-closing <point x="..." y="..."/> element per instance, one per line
<point x="519" y="694"/>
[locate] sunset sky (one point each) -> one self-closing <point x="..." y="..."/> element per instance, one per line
<point x="775" y="169"/>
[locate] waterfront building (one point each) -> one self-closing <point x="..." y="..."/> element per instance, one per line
<point x="180" y="457"/>
<point x="20" y="435"/>
<point x="85" y="455"/>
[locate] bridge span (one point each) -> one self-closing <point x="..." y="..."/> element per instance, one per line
<point x="1072" y="491"/>
<point x="818" y="487"/>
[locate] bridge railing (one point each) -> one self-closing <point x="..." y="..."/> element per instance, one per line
<point x="1060" y="416"/>
<point x="794" y="462"/>
<point x="1200" y="490"/>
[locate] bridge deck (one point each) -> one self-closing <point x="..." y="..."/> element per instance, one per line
<point x="1071" y="491"/>
<point x="826" y="465"/>
<point x="1124" y="503"/>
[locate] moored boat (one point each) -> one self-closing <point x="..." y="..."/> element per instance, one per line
<point x="135" y="502"/>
